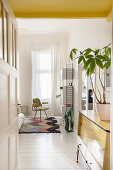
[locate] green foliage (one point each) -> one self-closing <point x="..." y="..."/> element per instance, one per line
<point x="99" y="63"/>
<point x="71" y="55"/>
<point x="90" y="59"/>
<point x="96" y="52"/>
<point x="88" y="50"/>
<point x="107" y="64"/>
<point x="74" y="50"/>
<point x="87" y="63"/>
<point x="92" y="66"/>
<point x="107" y="74"/>
<point x="80" y="59"/>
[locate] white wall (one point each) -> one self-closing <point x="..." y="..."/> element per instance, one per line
<point x="26" y="42"/>
<point x="86" y="34"/>
<point x="82" y="34"/>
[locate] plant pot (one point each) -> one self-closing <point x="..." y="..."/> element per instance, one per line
<point x="103" y="111"/>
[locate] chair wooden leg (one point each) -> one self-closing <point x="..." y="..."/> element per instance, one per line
<point x="45" y="113"/>
<point x="35" y="114"/>
<point x="40" y="115"/>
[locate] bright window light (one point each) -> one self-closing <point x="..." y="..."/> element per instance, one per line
<point x="42" y="60"/>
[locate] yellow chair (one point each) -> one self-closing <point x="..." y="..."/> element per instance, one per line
<point x="37" y="106"/>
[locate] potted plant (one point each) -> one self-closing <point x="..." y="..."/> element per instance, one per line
<point x="91" y="60"/>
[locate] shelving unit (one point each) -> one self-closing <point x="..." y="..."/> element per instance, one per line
<point x="68" y="89"/>
<point x="69" y="85"/>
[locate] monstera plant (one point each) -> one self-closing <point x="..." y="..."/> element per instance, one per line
<point x="91" y="60"/>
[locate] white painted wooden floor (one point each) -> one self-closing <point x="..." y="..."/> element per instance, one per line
<point x="48" y="152"/>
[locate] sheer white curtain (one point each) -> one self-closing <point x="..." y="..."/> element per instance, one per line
<point x="42" y="74"/>
<point x="46" y="76"/>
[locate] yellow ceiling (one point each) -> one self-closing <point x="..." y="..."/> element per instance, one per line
<point x="61" y="8"/>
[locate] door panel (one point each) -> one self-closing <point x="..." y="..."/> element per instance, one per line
<point x="8" y="90"/>
<point x="13" y="98"/>
<point x="13" y="153"/>
<point x="4" y="155"/>
<point x="3" y="101"/>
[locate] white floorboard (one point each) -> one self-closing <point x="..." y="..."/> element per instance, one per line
<point x="48" y="152"/>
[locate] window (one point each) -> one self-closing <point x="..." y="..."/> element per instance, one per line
<point x="11" y="42"/>
<point x="13" y="46"/>
<point x="42" y="73"/>
<point x="5" y="36"/>
<point x="1" y="41"/>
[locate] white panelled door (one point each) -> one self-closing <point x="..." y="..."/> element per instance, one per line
<point x="8" y="88"/>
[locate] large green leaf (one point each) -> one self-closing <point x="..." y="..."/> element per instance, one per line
<point x="84" y="60"/>
<point x="107" y="64"/>
<point x="107" y="74"/>
<point x="99" y="63"/>
<point x="88" y="50"/>
<point x="81" y="53"/>
<point x="87" y="72"/>
<point x="80" y="59"/>
<point x="74" y="50"/>
<point x="100" y="57"/>
<point x="92" y="66"/>
<point x="106" y="58"/>
<point x="71" y="55"/>
<point x="96" y="51"/>
<point x="88" y="56"/>
<point x="87" y="63"/>
<point x="108" y="51"/>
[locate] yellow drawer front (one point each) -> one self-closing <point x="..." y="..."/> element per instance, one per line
<point x="96" y="140"/>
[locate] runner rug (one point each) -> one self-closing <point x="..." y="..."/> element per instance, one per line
<point x="47" y="125"/>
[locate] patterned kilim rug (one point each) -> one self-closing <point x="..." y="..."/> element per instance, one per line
<point x="47" y="125"/>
